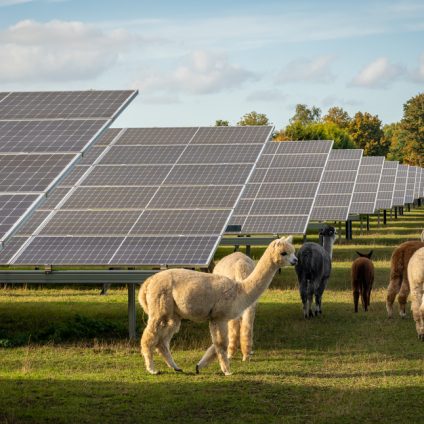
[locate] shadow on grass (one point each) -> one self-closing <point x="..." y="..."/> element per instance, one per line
<point x="189" y="399"/>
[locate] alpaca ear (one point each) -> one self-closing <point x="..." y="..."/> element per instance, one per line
<point x="289" y="239"/>
<point x="370" y="254"/>
<point x="359" y="254"/>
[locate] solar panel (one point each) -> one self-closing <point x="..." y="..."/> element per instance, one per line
<point x="336" y="189"/>
<point x="281" y="191"/>
<point x="144" y="204"/>
<point x="63" y="105"/>
<point x="367" y="185"/>
<point x="400" y="186"/>
<point x="42" y="136"/>
<point x="410" y="185"/>
<point x="387" y="185"/>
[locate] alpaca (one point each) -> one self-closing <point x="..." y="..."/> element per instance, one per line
<point x="362" y="279"/>
<point x="313" y="270"/>
<point x="239" y="266"/>
<point x="416" y="281"/>
<point x="399" y="276"/>
<point x="175" y="294"/>
<point x="422" y="235"/>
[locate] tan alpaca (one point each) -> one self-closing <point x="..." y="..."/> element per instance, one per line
<point x="399" y="276"/>
<point x="239" y="266"/>
<point x="416" y="281"/>
<point x="176" y="294"/>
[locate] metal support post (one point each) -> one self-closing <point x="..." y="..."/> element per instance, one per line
<point x="132" y="314"/>
<point x="368" y="223"/>
<point x="396" y="212"/>
<point x="378" y="219"/>
<point x="408" y="207"/>
<point x="340" y="232"/>
<point x="385" y="217"/>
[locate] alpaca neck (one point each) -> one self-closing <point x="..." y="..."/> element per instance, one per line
<point x="257" y="282"/>
<point x="327" y="244"/>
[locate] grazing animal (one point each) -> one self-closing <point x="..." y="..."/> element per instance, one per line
<point x="313" y="270"/>
<point x="416" y="281"/>
<point x="422" y="235"/>
<point x="175" y="294"/>
<point x="239" y="266"/>
<point x="362" y="279"/>
<point x="399" y="283"/>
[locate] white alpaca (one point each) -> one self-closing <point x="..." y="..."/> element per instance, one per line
<point x="176" y="294"/>
<point x="239" y="266"/>
<point x="422" y="235"/>
<point x="416" y="283"/>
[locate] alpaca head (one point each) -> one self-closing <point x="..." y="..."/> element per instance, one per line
<point x="328" y="231"/>
<point x="365" y="255"/>
<point x="282" y="252"/>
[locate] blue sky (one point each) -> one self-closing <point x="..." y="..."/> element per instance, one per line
<point x="197" y="61"/>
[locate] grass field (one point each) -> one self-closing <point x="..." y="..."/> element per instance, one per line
<point x="64" y="356"/>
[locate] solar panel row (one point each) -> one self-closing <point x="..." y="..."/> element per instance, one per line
<point x="281" y="192"/>
<point x="335" y="193"/>
<point x="137" y="198"/>
<point x="42" y="135"/>
<point x="387" y="184"/>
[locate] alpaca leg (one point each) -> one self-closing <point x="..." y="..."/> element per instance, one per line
<point x="233" y="336"/>
<point x="403" y="297"/>
<point x="318" y="296"/>
<point x="149" y="341"/>
<point x="303" y="288"/>
<point x="219" y="333"/>
<point x="356" y="299"/>
<point x="392" y="291"/>
<point x="418" y="309"/>
<point x="364" y="299"/>
<point x="246" y="331"/>
<point x="173" y="326"/>
<point x="207" y="358"/>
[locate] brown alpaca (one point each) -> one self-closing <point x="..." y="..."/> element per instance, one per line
<point x="362" y="279"/>
<point x="399" y="276"/>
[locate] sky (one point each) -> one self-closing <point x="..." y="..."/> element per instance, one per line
<point x="194" y="62"/>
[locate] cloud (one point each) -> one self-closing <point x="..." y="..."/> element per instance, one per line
<point x="339" y="101"/>
<point x="58" y="50"/>
<point x="13" y="2"/>
<point x="316" y="70"/>
<point x="380" y="73"/>
<point x="200" y="72"/>
<point x="267" y="96"/>
<point x="417" y="75"/>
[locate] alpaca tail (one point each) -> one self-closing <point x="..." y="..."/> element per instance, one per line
<point x="142" y="297"/>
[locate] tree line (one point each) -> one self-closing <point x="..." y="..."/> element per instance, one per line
<point x="402" y="141"/>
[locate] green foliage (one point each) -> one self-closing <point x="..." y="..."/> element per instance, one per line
<point x="253" y="118"/>
<point x="392" y="137"/>
<point x="319" y="131"/>
<point x="305" y="115"/>
<point x="338" y="116"/>
<point x="411" y="133"/>
<point x="221" y="123"/>
<point x="366" y="132"/>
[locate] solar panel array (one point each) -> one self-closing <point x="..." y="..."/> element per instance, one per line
<point x="387" y="185"/>
<point x="367" y="185"/>
<point x="280" y="195"/>
<point x="152" y="196"/>
<point x="337" y="185"/>
<point x="42" y="135"/>
<point x="400" y="186"/>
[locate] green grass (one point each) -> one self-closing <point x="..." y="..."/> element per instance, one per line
<point x="65" y="357"/>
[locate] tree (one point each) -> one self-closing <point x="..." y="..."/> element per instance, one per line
<point x="221" y="123"/>
<point x="253" y="118"/>
<point x="317" y="131"/>
<point x="411" y="134"/>
<point x="396" y="146"/>
<point x="338" y="116"/>
<point x="306" y="115"/>
<point x="366" y="132"/>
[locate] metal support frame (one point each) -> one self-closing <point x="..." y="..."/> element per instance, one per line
<point x="49" y="276"/>
<point x="385" y="217"/>
<point x="368" y="223"/>
<point x="396" y="212"/>
<point x="408" y="207"/>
